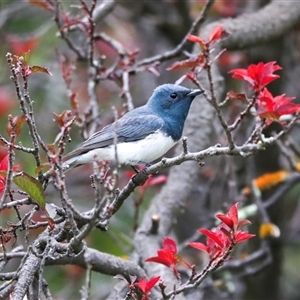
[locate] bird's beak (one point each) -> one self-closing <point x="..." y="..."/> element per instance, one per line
<point x="195" y="93"/>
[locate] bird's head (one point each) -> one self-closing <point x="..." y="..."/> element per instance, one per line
<point x="172" y="101"/>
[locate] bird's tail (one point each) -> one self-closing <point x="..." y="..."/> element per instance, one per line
<point x="67" y="165"/>
<point x="70" y="164"/>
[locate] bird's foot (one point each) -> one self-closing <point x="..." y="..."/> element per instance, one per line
<point x="140" y="170"/>
<point x="140" y="166"/>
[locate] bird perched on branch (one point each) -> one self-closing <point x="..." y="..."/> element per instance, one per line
<point x="141" y="135"/>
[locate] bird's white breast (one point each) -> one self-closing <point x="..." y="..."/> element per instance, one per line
<point x="145" y="150"/>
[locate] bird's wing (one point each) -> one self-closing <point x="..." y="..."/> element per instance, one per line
<point x="126" y="129"/>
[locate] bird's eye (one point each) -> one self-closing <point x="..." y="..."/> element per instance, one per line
<point x="173" y="95"/>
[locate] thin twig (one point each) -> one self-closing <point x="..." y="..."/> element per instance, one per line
<point x="180" y="47"/>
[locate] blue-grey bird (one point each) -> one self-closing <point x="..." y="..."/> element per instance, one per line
<point x="143" y="134"/>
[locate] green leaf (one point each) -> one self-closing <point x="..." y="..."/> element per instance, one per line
<point x="32" y="187"/>
<point x="40" y="69"/>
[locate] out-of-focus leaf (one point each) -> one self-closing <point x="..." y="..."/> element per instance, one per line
<point x="74" y="102"/>
<point x="7" y="101"/>
<point x="16" y="127"/>
<point x="32" y="187"/>
<point x="21" y="46"/>
<point x="50" y="208"/>
<point x="47" y="215"/>
<point x="64" y="118"/>
<point x="42" y="4"/>
<point x="231" y="95"/>
<point x="42" y="167"/>
<point x="40" y="69"/>
<point x="269" y="230"/>
<point x="192" y="62"/>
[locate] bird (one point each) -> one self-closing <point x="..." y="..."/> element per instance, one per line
<point x="143" y="134"/>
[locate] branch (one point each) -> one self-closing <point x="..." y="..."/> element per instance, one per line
<point x="25" y="276"/>
<point x="140" y="178"/>
<point x="100" y="262"/>
<point x="265" y="25"/>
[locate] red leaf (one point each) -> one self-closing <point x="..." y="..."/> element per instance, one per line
<point x="216" y="34"/>
<point x="6" y="102"/>
<point x="226" y="220"/>
<point x="233" y="213"/>
<point x="16" y="127"/>
<point x="227" y="8"/>
<point x="146" y="286"/>
<point x="196" y="39"/>
<point x="272" y="108"/>
<point x="151" y="283"/>
<point x="64" y="118"/>
<point x="199" y="246"/>
<point x="155" y="180"/>
<point x="5" y="237"/>
<point x="167" y="255"/>
<point x="42" y="4"/>
<point x="163" y="258"/>
<point x="129" y="174"/>
<point x="236" y="96"/>
<point x="3" y="168"/>
<point x="212" y="235"/>
<point x="192" y="62"/>
<point x="242" y="223"/>
<point x="258" y="76"/>
<point x="74" y="102"/>
<point x="170" y="245"/>
<point x="3" y="171"/>
<point x="242" y="236"/>
<point x="20" y="45"/>
<point x="226" y="233"/>
<point x="4" y="163"/>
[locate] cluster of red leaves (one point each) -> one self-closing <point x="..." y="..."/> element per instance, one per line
<point x="216" y="34"/>
<point x="142" y="286"/>
<point x="272" y="108"/>
<point x="225" y="236"/>
<point x="258" y="76"/>
<point x="219" y="242"/>
<point x="267" y="106"/>
<point x="168" y="256"/>
<point x="146" y="286"/>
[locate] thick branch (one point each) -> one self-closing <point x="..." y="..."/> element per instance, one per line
<point x="26" y="276"/>
<point x="265" y="25"/>
<point x="100" y="262"/>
